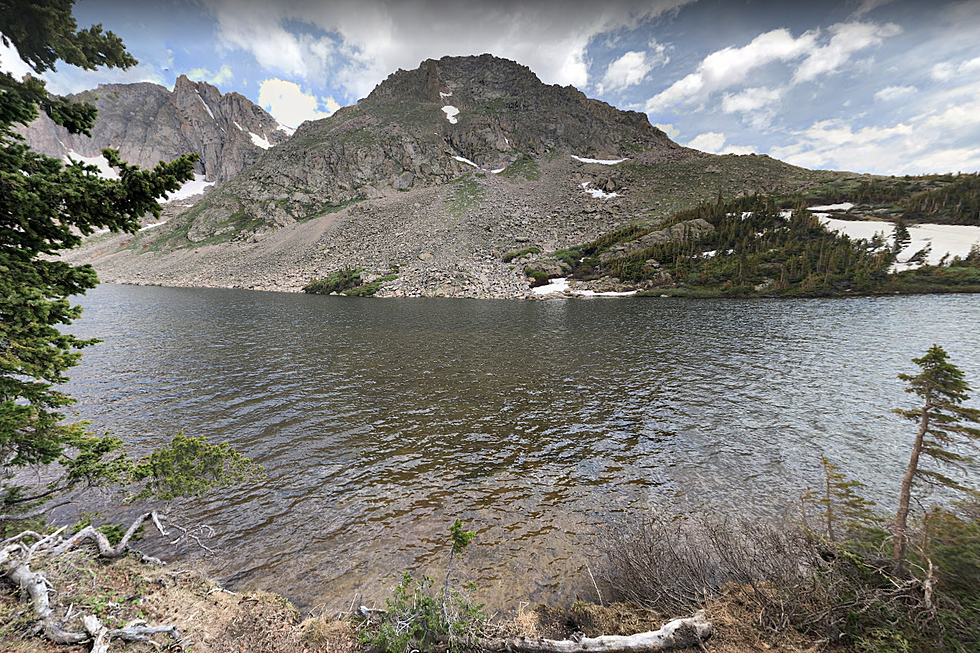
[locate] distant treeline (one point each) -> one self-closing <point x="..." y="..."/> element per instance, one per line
<point x="938" y="199"/>
<point x="758" y="249"/>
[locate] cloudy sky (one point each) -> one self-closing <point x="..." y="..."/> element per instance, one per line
<point x="881" y="86"/>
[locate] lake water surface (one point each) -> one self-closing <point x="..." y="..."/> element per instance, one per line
<point x="537" y="423"/>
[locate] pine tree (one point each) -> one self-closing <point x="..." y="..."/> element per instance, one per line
<point x="839" y="501"/>
<point x="47" y="207"/>
<point x="943" y="424"/>
<point x="900" y="236"/>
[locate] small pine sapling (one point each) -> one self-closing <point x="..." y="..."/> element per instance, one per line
<point x="839" y="501"/>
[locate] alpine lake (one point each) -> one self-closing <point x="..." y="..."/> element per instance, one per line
<point x="542" y="425"/>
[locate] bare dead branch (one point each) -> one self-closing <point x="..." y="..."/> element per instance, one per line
<point x="679" y="633"/>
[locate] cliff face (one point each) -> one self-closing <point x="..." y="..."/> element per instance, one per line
<point x="423" y="127"/>
<point x="444" y="174"/>
<point x="147" y="124"/>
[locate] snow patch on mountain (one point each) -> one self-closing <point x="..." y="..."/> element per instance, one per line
<point x="193" y="187"/>
<point x="451" y="113"/>
<point x="605" y="162"/>
<point x="261" y="142"/>
<point x="945" y="239"/>
<point x="206" y="106"/>
<point x="596" y="193"/>
<point x="105" y="170"/>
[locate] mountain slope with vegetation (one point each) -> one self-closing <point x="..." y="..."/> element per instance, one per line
<point x="458" y="177"/>
<point x="750" y="247"/>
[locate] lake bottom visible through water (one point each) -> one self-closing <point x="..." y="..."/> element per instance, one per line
<point x="541" y="425"/>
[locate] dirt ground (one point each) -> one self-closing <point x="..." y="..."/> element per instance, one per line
<point x="213" y="620"/>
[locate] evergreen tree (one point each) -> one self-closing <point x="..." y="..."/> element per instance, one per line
<point x="839" y="502"/>
<point x="47" y="207"/>
<point x="901" y="236"/>
<point x="943" y="424"/>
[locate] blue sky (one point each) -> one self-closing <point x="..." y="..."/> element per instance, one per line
<point x="881" y="86"/>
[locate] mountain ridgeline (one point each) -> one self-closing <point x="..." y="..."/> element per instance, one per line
<point x="148" y="123"/>
<point x="400" y="137"/>
<point x="469" y="177"/>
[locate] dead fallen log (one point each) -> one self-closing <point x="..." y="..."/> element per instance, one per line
<point x="679" y="633"/>
<point x="15" y="558"/>
<point x="106" y="550"/>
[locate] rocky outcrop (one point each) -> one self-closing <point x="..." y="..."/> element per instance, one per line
<point x="678" y="233"/>
<point x="148" y="123"/>
<point x="423" y="127"/>
<point x="550" y="267"/>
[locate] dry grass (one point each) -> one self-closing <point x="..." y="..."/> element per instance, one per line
<point x="734" y="621"/>
<point x="209" y="619"/>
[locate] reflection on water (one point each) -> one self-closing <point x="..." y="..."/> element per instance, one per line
<point x="381" y="421"/>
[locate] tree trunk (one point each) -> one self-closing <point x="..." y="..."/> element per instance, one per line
<point x="905" y="496"/>
<point x="679" y="633"/>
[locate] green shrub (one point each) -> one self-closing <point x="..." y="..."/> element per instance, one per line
<point x="368" y="289"/>
<point x="538" y="278"/>
<point x="510" y="256"/>
<point x="569" y="256"/>
<point x="418" y="618"/>
<point x="336" y="281"/>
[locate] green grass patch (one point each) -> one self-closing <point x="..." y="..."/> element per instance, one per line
<point x="466" y="194"/>
<point x="523" y="168"/>
<point x="368" y="289"/>
<point x="569" y="256"/>
<point x="510" y="256"/>
<point x="347" y="281"/>
<point x="538" y="278"/>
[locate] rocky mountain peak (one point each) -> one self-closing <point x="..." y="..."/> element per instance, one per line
<point x="148" y="123"/>
<point x="423" y="127"/>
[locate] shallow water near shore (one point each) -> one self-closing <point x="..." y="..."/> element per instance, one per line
<point x="537" y="423"/>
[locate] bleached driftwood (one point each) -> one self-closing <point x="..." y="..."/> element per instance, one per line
<point x="106" y="550"/>
<point x="15" y="558"/>
<point x="678" y="633"/>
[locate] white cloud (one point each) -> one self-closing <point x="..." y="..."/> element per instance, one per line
<point x="870" y="5"/>
<point x="708" y="142"/>
<point x="749" y="100"/>
<point x="739" y="149"/>
<point x="670" y="130"/>
<point x="714" y="143"/>
<point x="288" y="104"/>
<point x="890" y="93"/>
<point x="223" y="76"/>
<point x="629" y="70"/>
<point x="69" y="79"/>
<point x="847" y="39"/>
<point x="931" y="141"/>
<point x="729" y="67"/>
<point x="361" y="42"/>
<point x="947" y="70"/>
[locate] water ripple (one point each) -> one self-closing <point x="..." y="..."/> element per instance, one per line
<point x="379" y="422"/>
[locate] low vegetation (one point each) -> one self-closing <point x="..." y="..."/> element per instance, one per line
<point x="466" y="194"/>
<point x="419" y="618"/>
<point x="844" y="573"/>
<point x="756" y="248"/>
<point x="524" y="168"/>
<point x="347" y="281"/>
<point x="934" y="199"/>
<point x="510" y="256"/>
